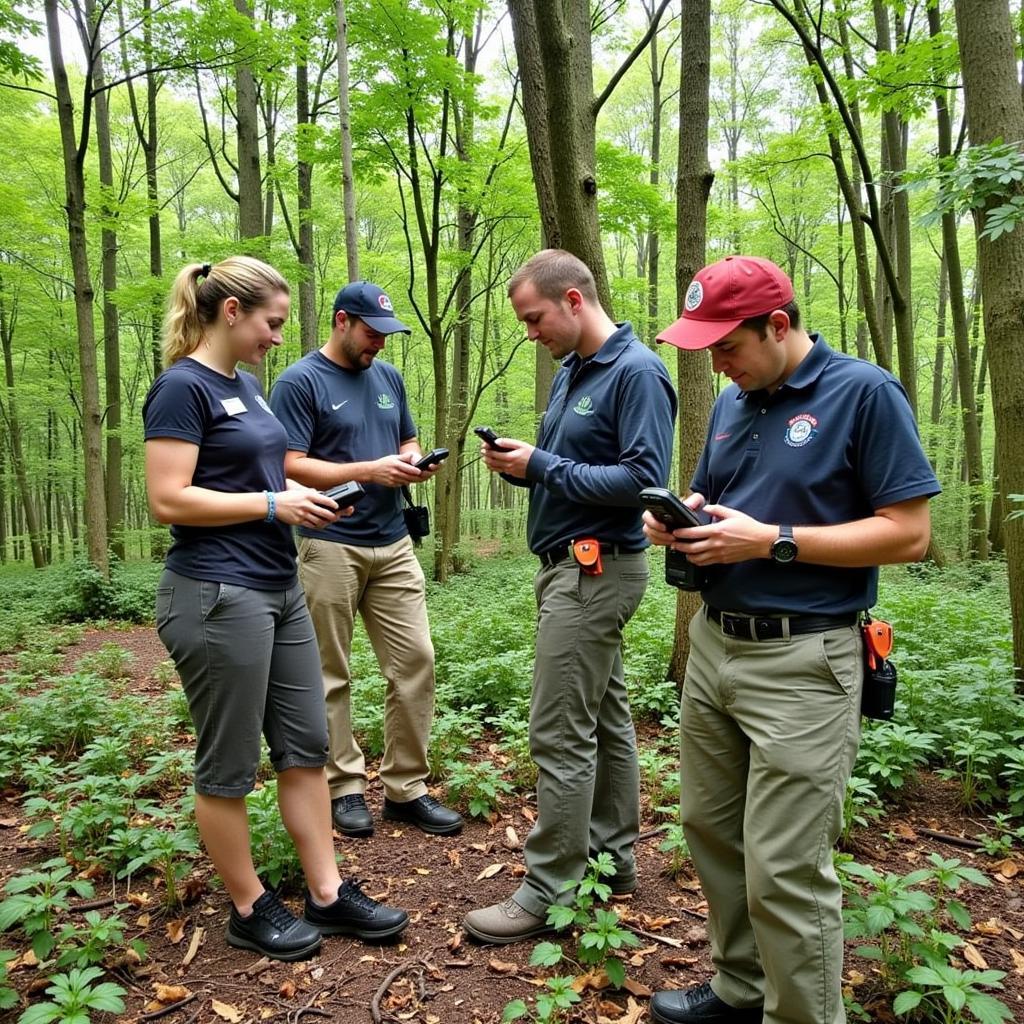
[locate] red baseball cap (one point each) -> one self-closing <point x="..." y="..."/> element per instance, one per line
<point x="725" y="294"/>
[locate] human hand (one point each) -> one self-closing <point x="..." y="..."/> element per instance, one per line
<point x="299" y="505"/>
<point x="732" y="536"/>
<point x="396" y="470"/>
<point x="512" y="461"/>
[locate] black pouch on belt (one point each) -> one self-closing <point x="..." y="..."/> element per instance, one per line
<point x="878" y="699"/>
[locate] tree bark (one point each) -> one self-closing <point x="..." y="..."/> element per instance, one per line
<point x="348" y="191"/>
<point x="73" y="154"/>
<point x="694" y="186"/>
<point x="994" y="111"/>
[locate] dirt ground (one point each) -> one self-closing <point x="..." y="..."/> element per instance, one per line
<point x="434" y="974"/>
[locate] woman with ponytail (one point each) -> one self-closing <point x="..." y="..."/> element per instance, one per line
<point x="229" y="607"/>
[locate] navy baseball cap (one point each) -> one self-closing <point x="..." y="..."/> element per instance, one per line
<point x="371" y="304"/>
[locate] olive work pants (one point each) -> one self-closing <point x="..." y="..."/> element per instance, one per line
<point x="769" y="733"/>
<point x="581" y="730"/>
<point x="384" y="585"/>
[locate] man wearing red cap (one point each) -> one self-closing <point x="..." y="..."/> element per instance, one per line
<point x="812" y="475"/>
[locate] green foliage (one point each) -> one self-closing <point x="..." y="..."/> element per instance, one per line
<point x="111" y="662"/>
<point x="75" y="997"/>
<point x="946" y="992"/>
<point x="35" y="897"/>
<point x="8" y="996"/>
<point x="273" y="851"/>
<point x="476" y="784"/>
<point x="127" y="595"/>
<point x="92" y="941"/>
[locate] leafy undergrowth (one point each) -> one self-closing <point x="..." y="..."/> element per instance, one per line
<point x="107" y="898"/>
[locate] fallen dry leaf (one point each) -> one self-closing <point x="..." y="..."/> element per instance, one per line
<point x="512" y="838"/>
<point x="974" y="957"/>
<point x="1008" y="868"/>
<point x="989" y="927"/>
<point x="193" y="947"/>
<point x="143" y="920"/>
<point x="1018" y="961"/>
<point x="176" y="929"/>
<point x="287" y="989"/>
<point x="638" y="988"/>
<point x="675" y="960"/>
<point x="856" y="978"/>
<point x="139" y="899"/>
<point x="609" y="1011"/>
<point x="455" y="941"/>
<point x="170" y="993"/>
<point x="27" y="959"/>
<point x="490" y="871"/>
<point x="8" y="822"/>
<point x="529" y="814"/>
<point x="455" y="858"/>
<point x="633" y="1014"/>
<point x="226" y="1011"/>
<point x="422" y="871"/>
<point x="595" y="980"/>
<point x="502" y="966"/>
<point x="904" y="831"/>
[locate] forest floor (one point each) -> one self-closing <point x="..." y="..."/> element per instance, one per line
<point x="434" y="974"/>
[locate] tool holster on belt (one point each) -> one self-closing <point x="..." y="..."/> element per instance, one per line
<point x="878" y="699"/>
<point x="587" y="553"/>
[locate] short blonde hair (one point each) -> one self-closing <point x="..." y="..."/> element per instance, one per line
<point x="553" y="272"/>
<point x="194" y="304"/>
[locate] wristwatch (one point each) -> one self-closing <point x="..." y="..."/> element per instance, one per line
<point x="784" y="548"/>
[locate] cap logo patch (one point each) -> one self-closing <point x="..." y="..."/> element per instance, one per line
<point x="801" y="430"/>
<point x="385" y="303"/>
<point x="694" y="296"/>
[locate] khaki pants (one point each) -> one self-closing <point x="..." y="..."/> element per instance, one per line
<point x="769" y="736"/>
<point x="385" y="586"/>
<point x="581" y="730"/>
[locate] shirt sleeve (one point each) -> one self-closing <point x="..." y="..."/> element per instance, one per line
<point x="175" y="407"/>
<point x="699" y="482"/>
<point x="646" y="415"/>
<point x="292" y="403"/>
<point x="406" y="426"/>
<point x="889" y="457"/>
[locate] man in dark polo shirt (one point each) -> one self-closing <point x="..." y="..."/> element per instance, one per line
<point x="606" y="434"/>
<point x="813" y="475"/>
<point x="348" y="419"/>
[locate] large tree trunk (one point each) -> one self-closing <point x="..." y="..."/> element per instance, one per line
<point x="114" y="483"/>
<point x="694" y="187"/>
<point x="74" y="184"/>
<point x="994" y="111"/>
<point x="348" y="191"/>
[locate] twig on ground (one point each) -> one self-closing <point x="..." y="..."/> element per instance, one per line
<point x="164" y="1010"/>
<point x="80" y="908"/>
<point x="654" y="937"/>
<point x="970" y="844"/>
<point x="418" y="965"/>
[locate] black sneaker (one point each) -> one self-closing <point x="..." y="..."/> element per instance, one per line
<point x="355" y="913"/>
<point x="425" y="813"/>
<point x="351" y="815"/>
<point x="273" y="930"/>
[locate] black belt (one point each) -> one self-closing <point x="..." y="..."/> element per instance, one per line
<point x="555" y="555"/>
<point x="764" y="627"/>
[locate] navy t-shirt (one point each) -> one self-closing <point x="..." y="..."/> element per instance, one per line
<point x="834" y="443"/>
<point x="241" y="449"/>
<point x="341" y="415"/>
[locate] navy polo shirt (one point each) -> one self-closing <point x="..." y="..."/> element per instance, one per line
<point x="341" y="415"/>
<point x="606" y="434"/>
<point x="241" y="449"/>
<point x="835" y="442"/>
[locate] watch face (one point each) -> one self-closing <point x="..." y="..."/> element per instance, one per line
<point x="784" y="550"/>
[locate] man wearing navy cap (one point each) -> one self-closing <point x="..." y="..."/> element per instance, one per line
<point x="348" y="419"/>
<point x="813" y="474"/>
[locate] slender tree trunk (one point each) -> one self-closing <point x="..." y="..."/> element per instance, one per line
<point x="994" y="111"/>
<point x="304" y="171"/>
<point x="74" y="184"/>
<point x="694" y="186"/>
<point x="348" y="191"/>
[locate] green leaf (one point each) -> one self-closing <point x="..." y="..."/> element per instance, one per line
<point x="956" y="997"/>
<point x="615" y="970"/>
<point x="905" y="1002"/>
<point x="40" y="1013"/>
<point x="514" y="1010"/>
<point x="546" y="954"/>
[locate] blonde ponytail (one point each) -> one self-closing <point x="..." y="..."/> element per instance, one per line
<point x="194" y="305"/>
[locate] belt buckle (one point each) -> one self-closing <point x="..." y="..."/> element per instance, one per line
<point x="738" y="626"/>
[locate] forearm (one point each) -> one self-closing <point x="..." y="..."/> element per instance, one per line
<point x="587" y="484"/>
<point x="877" y="540"/>
<point x="200" y="506"/>
<point x="321" y="474"/>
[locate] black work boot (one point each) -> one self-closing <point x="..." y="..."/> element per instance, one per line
<point x="273" y="930"/>
<point x="355" y="913"/>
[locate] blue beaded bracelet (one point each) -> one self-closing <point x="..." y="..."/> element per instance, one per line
<point x="271" y="507"/>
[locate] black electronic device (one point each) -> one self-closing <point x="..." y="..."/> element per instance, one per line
<point x="490" y="438"/>
<point x="670" y="510"/>
<point x="346" y="494"/>
<point x="432" y="458"/>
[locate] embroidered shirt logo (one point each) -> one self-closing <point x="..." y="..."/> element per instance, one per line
<point x="337" y="406"/>
<point x="694" y="296"/>
<point x="584" y="407"/>
<point x="384" y="401"/>
<point x="801" y="430"/>
<point x="260" y="401"/>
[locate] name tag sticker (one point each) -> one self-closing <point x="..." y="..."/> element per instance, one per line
<point x="233" y="406"/>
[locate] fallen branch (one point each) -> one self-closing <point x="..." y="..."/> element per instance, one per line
<point x="164" y="1010"/>
<point x="970" y="844"/>
<point x="654" y="937"/>
<point x="418" y="965"/>
<point x="79" y="908"/>
<point x="652" y="832"/>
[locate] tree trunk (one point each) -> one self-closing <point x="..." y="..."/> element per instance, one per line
<point x="994" y="111"/>
<point x="114" y="483"/>
<point x="348" y="191"/>
<point x="304" y="171"/>
<point x="74" y="183"/>
<point x="694" y="186"/>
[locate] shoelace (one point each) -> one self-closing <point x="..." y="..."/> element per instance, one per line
<point x="353" y="801"/>
<point x="352" y="892"/>
<point x="269" y="907"/>
<point x="429" y="803"/>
